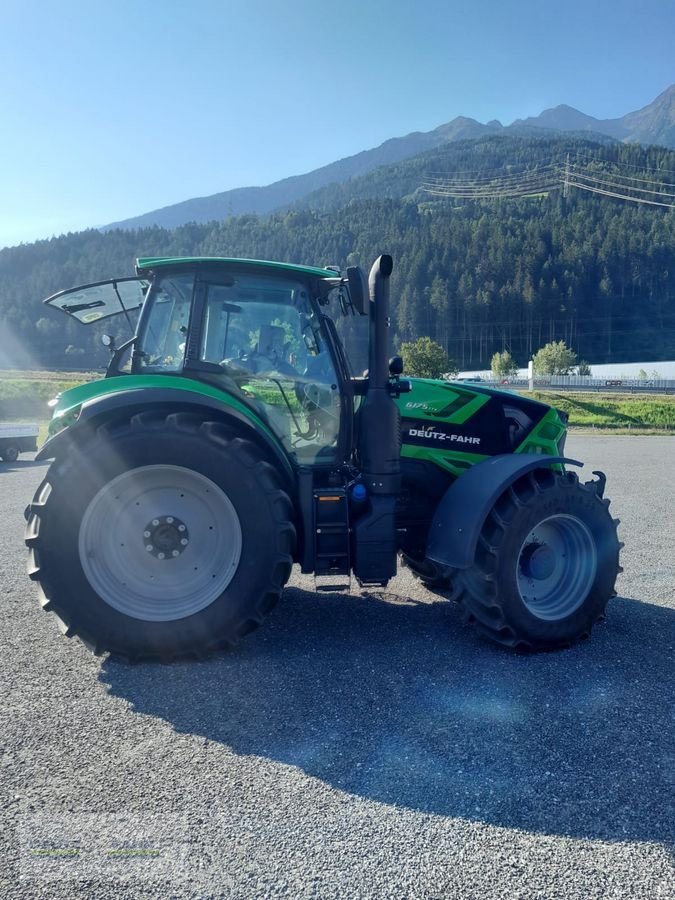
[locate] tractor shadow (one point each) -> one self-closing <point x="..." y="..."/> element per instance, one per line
<point x="20" y="464"/>
<point x="396" y="702"/>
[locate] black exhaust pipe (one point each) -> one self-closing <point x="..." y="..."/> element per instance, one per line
<point x="378" y="290"/>
<point x="375" y="547"/>
<point x="380" y="421"/>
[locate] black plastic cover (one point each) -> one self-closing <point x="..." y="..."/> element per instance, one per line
<point x="460" y="515"/>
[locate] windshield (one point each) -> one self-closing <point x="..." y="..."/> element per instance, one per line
<point x="260" y="339"/>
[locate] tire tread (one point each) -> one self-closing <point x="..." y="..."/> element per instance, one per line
<point x="478" y="594"/>
<point x="226" y="441"/>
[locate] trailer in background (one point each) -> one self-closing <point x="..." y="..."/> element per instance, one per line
<point x="16" y="439"/>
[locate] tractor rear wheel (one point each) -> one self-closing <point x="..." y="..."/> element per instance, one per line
<point x="160" y="537"/>
<point x="546" y="563"/>
<point x="9" y="453"/>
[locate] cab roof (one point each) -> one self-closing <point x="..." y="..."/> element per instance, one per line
<point x="146" y="263"/>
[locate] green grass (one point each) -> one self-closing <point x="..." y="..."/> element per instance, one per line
<point x="47" y="375"/>
<point x="24" y="395"/>
<point x="615" y="412"/>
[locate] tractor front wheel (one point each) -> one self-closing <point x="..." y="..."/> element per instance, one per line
<point x="546" y="563"/>
<point x="160" y="537"/>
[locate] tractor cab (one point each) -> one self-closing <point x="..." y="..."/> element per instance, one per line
<point x="256" y="330"/>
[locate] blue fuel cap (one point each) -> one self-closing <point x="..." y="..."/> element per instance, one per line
<point x="359" y="492"/>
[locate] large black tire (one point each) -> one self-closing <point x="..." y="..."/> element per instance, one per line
<point x="9" y="453"/>
<point x="93" y="599"/>
<point x="546" y="563"/>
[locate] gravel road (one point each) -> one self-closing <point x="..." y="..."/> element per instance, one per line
<point x="356" y="746"/>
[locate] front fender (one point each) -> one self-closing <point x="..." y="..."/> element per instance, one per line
<point x="459" y="517"/>
<point x="130" y="402"/>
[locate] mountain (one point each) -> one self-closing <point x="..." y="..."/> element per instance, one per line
<point x="653" y="124"/>
<point x="562" y="118"/>
<point x="283" y="193"/>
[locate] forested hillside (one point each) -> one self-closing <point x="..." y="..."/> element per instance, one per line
<point x="653" y="124"/>
<point x="477" y="276"/>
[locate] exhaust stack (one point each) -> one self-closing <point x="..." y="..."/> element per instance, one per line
<point x="380" y="422"/>
<point x="375" y="547"/>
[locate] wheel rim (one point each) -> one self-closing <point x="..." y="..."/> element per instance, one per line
<point x="556" y="567"/>
<point x="160" y="543"/>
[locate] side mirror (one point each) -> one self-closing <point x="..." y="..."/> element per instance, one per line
<point x="108" y="341"/>
<point x="358" y="289"/>
<point x="395" y="366"/>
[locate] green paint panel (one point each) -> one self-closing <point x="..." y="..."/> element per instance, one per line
<point x="455" y="462"/>
<point x="452" y="403"/>
<point x="440" y="401"/>
<point x="545" y="436"/>
<point x="70" y="401"/>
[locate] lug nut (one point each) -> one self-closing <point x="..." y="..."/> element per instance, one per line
<point x="148" y="547"/>
<point x="175" y="553"/>
<point x="146" y="534"/>
<point x="184" y="542"/>
<point x="169" y="519"/>
<point x="181" y="527"/>
<point x="160" y="556"/>
<point x="155" y="521"/>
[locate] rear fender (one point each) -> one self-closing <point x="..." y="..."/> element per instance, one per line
<point x="124" y="404"/>
<point x="459" y="517"/>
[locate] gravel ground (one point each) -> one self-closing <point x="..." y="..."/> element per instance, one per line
<point x="356" y="746"/>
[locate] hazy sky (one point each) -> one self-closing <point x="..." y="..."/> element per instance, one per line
<point x="111" y="108"/>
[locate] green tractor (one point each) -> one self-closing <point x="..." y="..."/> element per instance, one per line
<point x="236" y="433"/>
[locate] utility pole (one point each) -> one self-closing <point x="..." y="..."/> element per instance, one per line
<point x="566" y="182"/>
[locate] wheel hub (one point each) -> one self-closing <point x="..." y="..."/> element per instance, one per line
<point x="556" y="567"/>
<point x="138" y="521"/>
<point x="537" y="561"/>
<point x="166" y="537"/>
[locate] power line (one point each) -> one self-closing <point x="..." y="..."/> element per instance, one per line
<point x="632" y="177"/>
<point x="596" y="190"/>
<point x="626" y="187"/>
<point x="538" y="181"/>
<point x="490" y="188"/>
<point x="509" y="186"/>
<point x="522" y="191"/>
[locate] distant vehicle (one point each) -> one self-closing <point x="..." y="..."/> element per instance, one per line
<point x="613" y="382"/>
<point x="473" y="380"/>
<point x="16" y="439"/>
